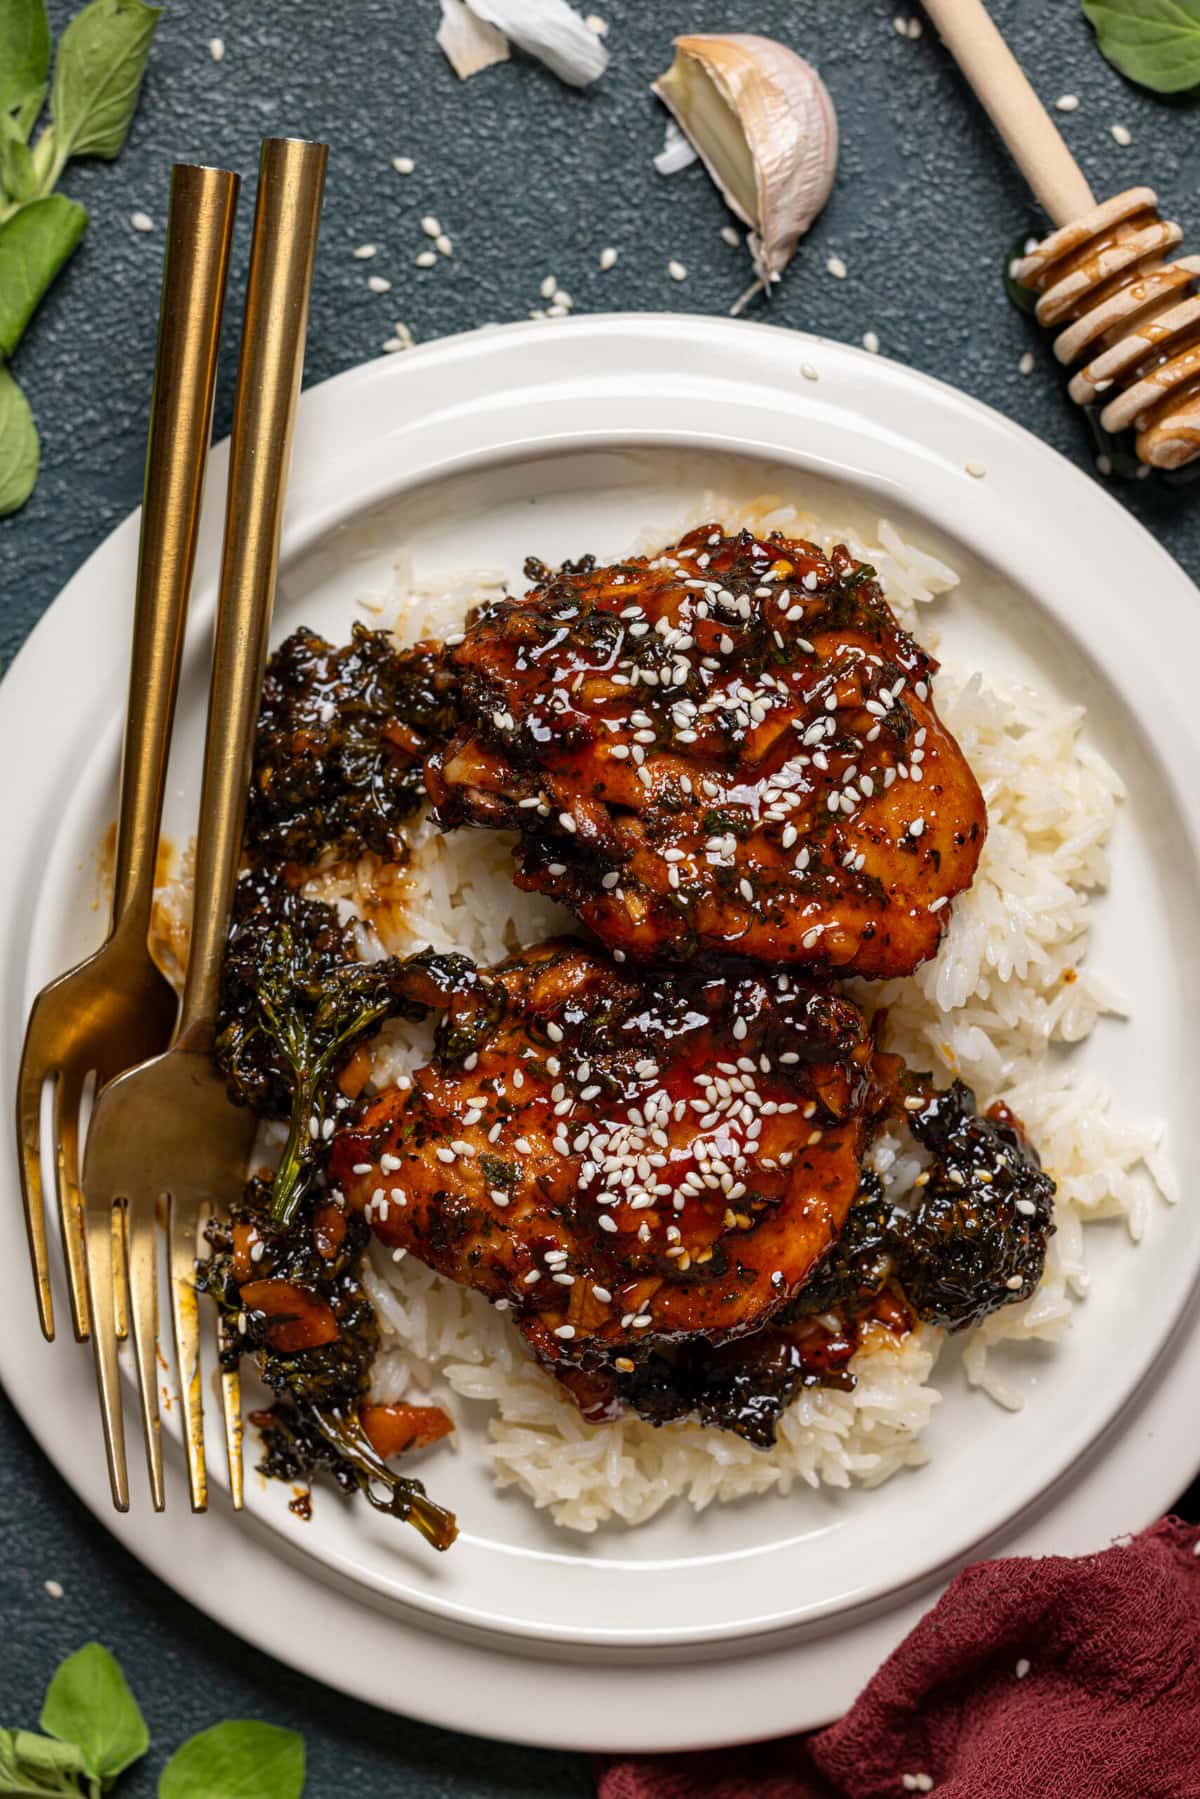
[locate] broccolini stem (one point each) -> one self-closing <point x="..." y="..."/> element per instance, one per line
<point x="409" y="1500"/>
<point x="289" y="1182"/>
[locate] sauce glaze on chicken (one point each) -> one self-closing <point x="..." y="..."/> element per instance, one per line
<point x="620" y="1158"/>
<point x="730" y="747"/>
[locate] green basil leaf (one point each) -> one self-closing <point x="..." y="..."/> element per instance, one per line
<point x="34" y="244"/>
<point x="17" y="176"/>
<point x="38" y="1767"/>
<point x="244" y="1760"/>
<point x="88" y="1702"/>
<point x="24" y="50"/>
<point x="47" y="1753"/>
<point x="19" y="450"/>
<point x="97" y="73"/>
<point x="1154" y="42"/>
<point x="25" y="116"/>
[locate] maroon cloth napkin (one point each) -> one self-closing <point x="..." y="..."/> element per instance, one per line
<point x="1050" y="1678"/>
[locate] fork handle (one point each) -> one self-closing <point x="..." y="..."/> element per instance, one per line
<point x="290" y="185"/>
<point x="199" y="233"/>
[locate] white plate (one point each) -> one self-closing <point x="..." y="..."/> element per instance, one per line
<point x="562" y="438"/>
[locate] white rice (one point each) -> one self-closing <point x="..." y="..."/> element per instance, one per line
<point x="1007" y="990"/>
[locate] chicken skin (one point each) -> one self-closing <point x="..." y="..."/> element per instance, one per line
<point x="730" y="748"/>
<point x="622" y="1160"/>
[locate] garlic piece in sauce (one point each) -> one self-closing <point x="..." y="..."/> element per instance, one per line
<point x="764" y="126"/>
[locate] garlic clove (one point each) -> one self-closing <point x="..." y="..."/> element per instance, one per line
<point x="764" y="126"/>
<point x="551" y="31"/>
<point x="469" y="43"/>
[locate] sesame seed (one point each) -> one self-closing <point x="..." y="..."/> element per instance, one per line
<point x="836" y="267"/>
<point x="608" y="257"/>
<point x="567" y="822"/>
<point x="870" y="342"/>
<point x="444" y="1154"/>
<point x="1014" y="1283"/>
<point x="365" y="252"/>
<point x="379" y="284"/>
<point x="430" y="226"/>
<point x="976" y="469"/>
<point x="216" y="48"/>
<point x="403" y="165"/>
<point x="554" y="1031"/>
<point x="643" y="1321"/>
<point x="443" y="244"/>
<point x="731" y="237"/>
<point x="606" y="1222"/>
<point x="141" y="221"/>
<point x="565" y="1331"/>
<point x="810" y="374"/>
<point x="676" y="270"/>
<point x="602" y="1294"/>
<point x="1067" y="103"/>
<point x="1122" y="135"/>
<point x="53" y="1589"/>
<point x="1024" y="1664"/>
<point x="1026" y="363"/>
<point x="425" y="259"/>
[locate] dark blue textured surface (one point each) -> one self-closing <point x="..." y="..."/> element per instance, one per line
<point x="529" y="179"/>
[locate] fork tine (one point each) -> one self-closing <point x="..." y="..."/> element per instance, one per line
<point x="142" y="1239"/>
<point x="182" y="1220"/>
<point x="231" y="1403"/>
<point x="68" y="1095"/>
<point x="120" y="1254"/>
<point x="104" y="1349"/>
<point x="29" y="1135"/>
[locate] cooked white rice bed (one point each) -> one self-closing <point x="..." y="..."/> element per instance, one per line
<point x="1005" y="992"/>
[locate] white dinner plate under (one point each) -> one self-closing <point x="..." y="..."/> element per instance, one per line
<point x="570" y="437"/>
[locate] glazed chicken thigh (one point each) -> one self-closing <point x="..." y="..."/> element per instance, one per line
<point x="619" y="1159"/>
<point x="729" y="748"/>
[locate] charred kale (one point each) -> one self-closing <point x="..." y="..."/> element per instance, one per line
<point x="972" y="1237"/>
<point x="341" y="741"/>
<point x="295" y="1002"/>
<point x="293" y="1297"/>
<point x="976" y="1239"/>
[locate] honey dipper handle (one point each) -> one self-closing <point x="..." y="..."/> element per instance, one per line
<point x="1000" y="84"/>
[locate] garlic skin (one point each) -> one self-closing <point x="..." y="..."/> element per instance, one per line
<point x="764" y="126"/>
<point x="467" y="42"/>
<point x="550" y="30"/>
<point x="678" y="152"/>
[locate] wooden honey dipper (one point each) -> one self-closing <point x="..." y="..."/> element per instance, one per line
<point x="1129" y="317"/>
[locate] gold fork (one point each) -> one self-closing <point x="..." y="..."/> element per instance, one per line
<point x="167" y="1130"/>
<point x="115" y="1009"/>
